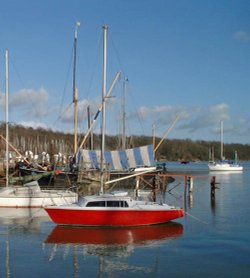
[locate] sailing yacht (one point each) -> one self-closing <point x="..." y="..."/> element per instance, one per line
<point x="225" y="165"/>
<point x="28" y="195"/>
<point x="115" y="208"/>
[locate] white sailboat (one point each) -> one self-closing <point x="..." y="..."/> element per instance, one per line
<point x="28" y="195"/>
<point x="223" y="164"/>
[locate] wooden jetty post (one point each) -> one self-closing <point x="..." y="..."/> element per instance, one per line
<point x="213" y="187"/>
<point x="190" y="183"/>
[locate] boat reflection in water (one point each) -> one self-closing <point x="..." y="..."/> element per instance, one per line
<point x="114" y="248"/>
<point x="119" y="235"/>
<point x="118" y="241"/>
<point x="22" y="216"/>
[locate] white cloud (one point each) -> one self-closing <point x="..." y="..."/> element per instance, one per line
<point x="32" y="103"/>
<point x="67" y="116"/>
<point x="34" y="124"/>
<point x="242" y="36"/>
<point x="160" y="114"/>
<point x="194" y="119"/>
<point x="204" y="118"/>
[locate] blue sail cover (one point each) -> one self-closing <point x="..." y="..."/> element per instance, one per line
<point x="118" y="160"/>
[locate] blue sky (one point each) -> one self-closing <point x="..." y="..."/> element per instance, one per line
<point x="182" y="58"/>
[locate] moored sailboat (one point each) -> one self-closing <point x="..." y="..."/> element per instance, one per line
<point x="117" y="208"/>
<point x="225" y="165"/>
<point x="29" y="194"/>
<point x="113" y="210"/>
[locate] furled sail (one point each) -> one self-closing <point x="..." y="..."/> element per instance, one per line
<point x="118" y="160"/>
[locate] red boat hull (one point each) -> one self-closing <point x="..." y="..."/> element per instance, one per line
<point x="112" y="217"/>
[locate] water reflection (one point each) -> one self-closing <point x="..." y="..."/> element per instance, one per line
<point x="23" y="216"/>
<point x="109" y="236"/>
<point x="110" y="245"/>
<point x="14" y="223"/>
<point x="27" y="245"/>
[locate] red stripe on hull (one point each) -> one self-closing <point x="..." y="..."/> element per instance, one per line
<point x="111" y="217"/>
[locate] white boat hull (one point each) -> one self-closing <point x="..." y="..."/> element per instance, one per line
<point x="32" y="196"/>
<point x="225" y="167"/>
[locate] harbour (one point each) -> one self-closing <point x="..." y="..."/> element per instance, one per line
<point x="88" y="187"/>
<point x="212" y="238"/>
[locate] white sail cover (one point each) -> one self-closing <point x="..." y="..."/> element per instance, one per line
<point x="118" y="160"/>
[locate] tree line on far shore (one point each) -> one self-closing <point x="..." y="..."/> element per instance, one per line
<point x="44" y="140"/>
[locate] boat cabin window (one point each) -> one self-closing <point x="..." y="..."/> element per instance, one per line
<point x="96" y="204"/>
<point x="119" y="204"/>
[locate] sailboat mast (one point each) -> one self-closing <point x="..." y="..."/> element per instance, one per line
<point x="90" y="144"/>
<point x="7" y="113"/>
<point x="104" y="85"/>
<point x="221" y="141"/>
<point x="124" y="114"/>
<point x="75" y="93"/>
<point x="153" y="134"/>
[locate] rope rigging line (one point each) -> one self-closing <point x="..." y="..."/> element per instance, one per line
<point x="118" y="56"/>
<point x="60" y="115"/>
<point x="196" y="218"/>
<point x="174" y="187"/>
<point x="65" y="85"/>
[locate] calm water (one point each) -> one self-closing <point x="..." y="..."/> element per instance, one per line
<point x="213" y="240"/>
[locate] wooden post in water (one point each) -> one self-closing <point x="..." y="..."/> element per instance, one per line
<point x="185" y="186"/>
<point x="190" y="184"/>
<point x="213" y="187"/>
<point x="185" y="193"/>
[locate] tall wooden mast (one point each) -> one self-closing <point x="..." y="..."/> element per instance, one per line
<point x="7" y="113"/>
<point x="104" y="85"/>
<point x="75" y="92"/>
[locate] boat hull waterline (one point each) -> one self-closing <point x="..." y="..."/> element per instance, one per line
<point x="121" y="217"/>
